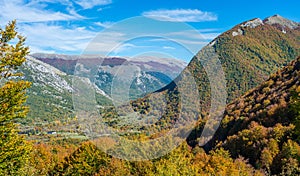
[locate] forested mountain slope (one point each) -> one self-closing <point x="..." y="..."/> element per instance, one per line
<point x="248" y="54"/>
<point x="263" y="124"/>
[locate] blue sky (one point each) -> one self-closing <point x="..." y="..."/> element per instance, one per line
<point x="69" y="26"/>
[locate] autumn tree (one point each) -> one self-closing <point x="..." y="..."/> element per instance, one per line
<point x="14" y="149"/>
<point x="295" y="112"/>
<point x="86" y="160"/>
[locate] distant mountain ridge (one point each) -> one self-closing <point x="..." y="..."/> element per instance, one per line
<point x="152" y="73"/>
<point x="67" y="63"/>
<point x="50" y="95"/>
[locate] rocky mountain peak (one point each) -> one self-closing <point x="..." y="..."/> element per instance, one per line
<point x="277" y="19"/>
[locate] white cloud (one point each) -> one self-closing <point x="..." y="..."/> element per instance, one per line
<point x="34" y="49"/>
<point x="168" y="47"/>
<point x="193" y="40"/>
<point x="36" y="2"/>
<point x="43" y="37"/>
<point x="105" y="24"/>
<point x="41" y="27"/>
<point x="209" y="30"/>
<point x="181" y="15"/>
<point x="104" y="43"/>
<point x="124" y="47"/>
<point x="197" y="35"/>
<point x="87" y="4"/>
<point x="31" y="12"/>
<point x="210" y="36"/>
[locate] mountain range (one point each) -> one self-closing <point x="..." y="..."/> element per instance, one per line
<point x="50" y="96"/>
<point x="249" y="76"/>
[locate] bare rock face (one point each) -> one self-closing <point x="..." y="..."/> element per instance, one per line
<point x="239" y="32"/>
<point x="253" y="23"/>
<point x="279" y="20"/>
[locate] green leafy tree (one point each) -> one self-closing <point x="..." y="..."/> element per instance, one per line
<point x="14" y="149"/>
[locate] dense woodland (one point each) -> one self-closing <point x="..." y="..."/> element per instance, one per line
<point x="259" y="133"/>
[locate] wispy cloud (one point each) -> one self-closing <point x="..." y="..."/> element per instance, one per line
<point x="210" y="36"/>
<point x="62" y="2"/>
<point x="105" y="43"/>
<point x="168" y="47"/>
<point x="31" y="12"/>
<point x="210" y="30"/>
<point x="47" y="31"/>
<point x="56" y="38"/>
<point x="181" y="15"/>
<point x="87" y="4"/>
<point x="197" y="35"/>
<point x="105" y="24"/>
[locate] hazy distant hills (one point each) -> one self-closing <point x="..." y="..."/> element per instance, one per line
<point x="152" y="73"/>
<point x="50" y="96"/>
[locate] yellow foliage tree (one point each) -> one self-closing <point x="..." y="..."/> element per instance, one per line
<point x="14" y="149"/>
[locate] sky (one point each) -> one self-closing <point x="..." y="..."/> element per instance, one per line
<point x="167" y="28"/>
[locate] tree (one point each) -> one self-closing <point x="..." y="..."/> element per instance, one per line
<point x="86" y="160"/>
<point x="295" y="112"/>
<point x="14" y="149"/>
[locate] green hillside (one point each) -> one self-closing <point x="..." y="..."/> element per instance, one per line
<point x="248" y="59"/>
